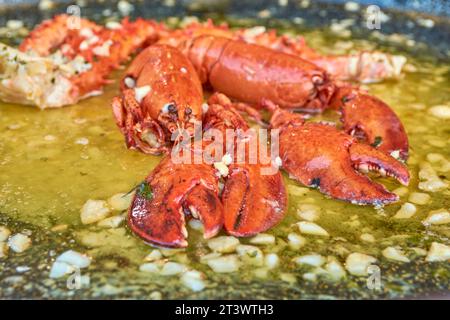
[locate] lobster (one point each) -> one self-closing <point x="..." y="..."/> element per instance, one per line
<point x="162" y="98"/>
<point x="66" y="59"/>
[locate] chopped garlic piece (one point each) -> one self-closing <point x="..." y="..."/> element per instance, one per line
<point x="271" y="260"/>
<point x="141" y="92"/>
<point x="308" y="212"/>
<point x="60" y="269"/>
<point x="124" y="7"/>
<point x="263" y="238"/>
<point x="103" y="50"/>
<point x="4" y="233"/>
<point x="112" y="222"/>
<point x="193" y="280"/>
<point x="93" y="211"/>
<point x="129" y="82"/>
<point x="406" y="211"/>
<point x="440" y="111"/>
<point x="358" y="263"/>
<point x="401" y="191"/>
<point x="149" y="267"/>
<point x="49" y="137"/>
<point x="223" y="244"/>
<point x="288" y="277"/>
<point x="311" y="228"/>
<point x="440" y="216"/>
<point x="261" y="273"/>
<point x="156" y="295"/>
<point x="86" y="33"/>
<point x="310" y="276"/>
<point x="367" y="237"/>
<point x="19" y="242"/>
<point x="196" y="224"/>
<point x="432" y="185"/>
<point x="45" y="5"/>
<point x="113" y="25"/>
<point x="3" y="249"/>
<point x="75" y="259"/>
<point x="227" y="159"/>
<point x="315" y="260"/>
<point x="395" y="254"/>
<point x="14" y="24"/>
<point x="120" y="201"/>
<point x="224" y="264"/>
<point x="250" y="254"/>
<point x="84" y="45"/>
<point x="153" y="256"/>
<point x="82" y="141"/>
<point x="172" y="268"/>
<point x="430" y="180"/>
<point x="419" y="198"/>
<point x="221" y="168"/>
<point x="351" y="6"/>
<point x="335" y="269"/>
<point x="438" y="252"/>
<point x="204" y="259"/>
<point x="435" y="157"/>
<point x="296" y="241"/>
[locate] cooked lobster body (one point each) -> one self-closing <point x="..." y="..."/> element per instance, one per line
<point x="364" y="67"/>
<point x="251" y="73"/>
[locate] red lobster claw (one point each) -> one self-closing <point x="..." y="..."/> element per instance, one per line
<point x="171" y="191"/>
<point x="319" y="155"/>
<point x="372" y="120"/>
<point x="253" y="200"/>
